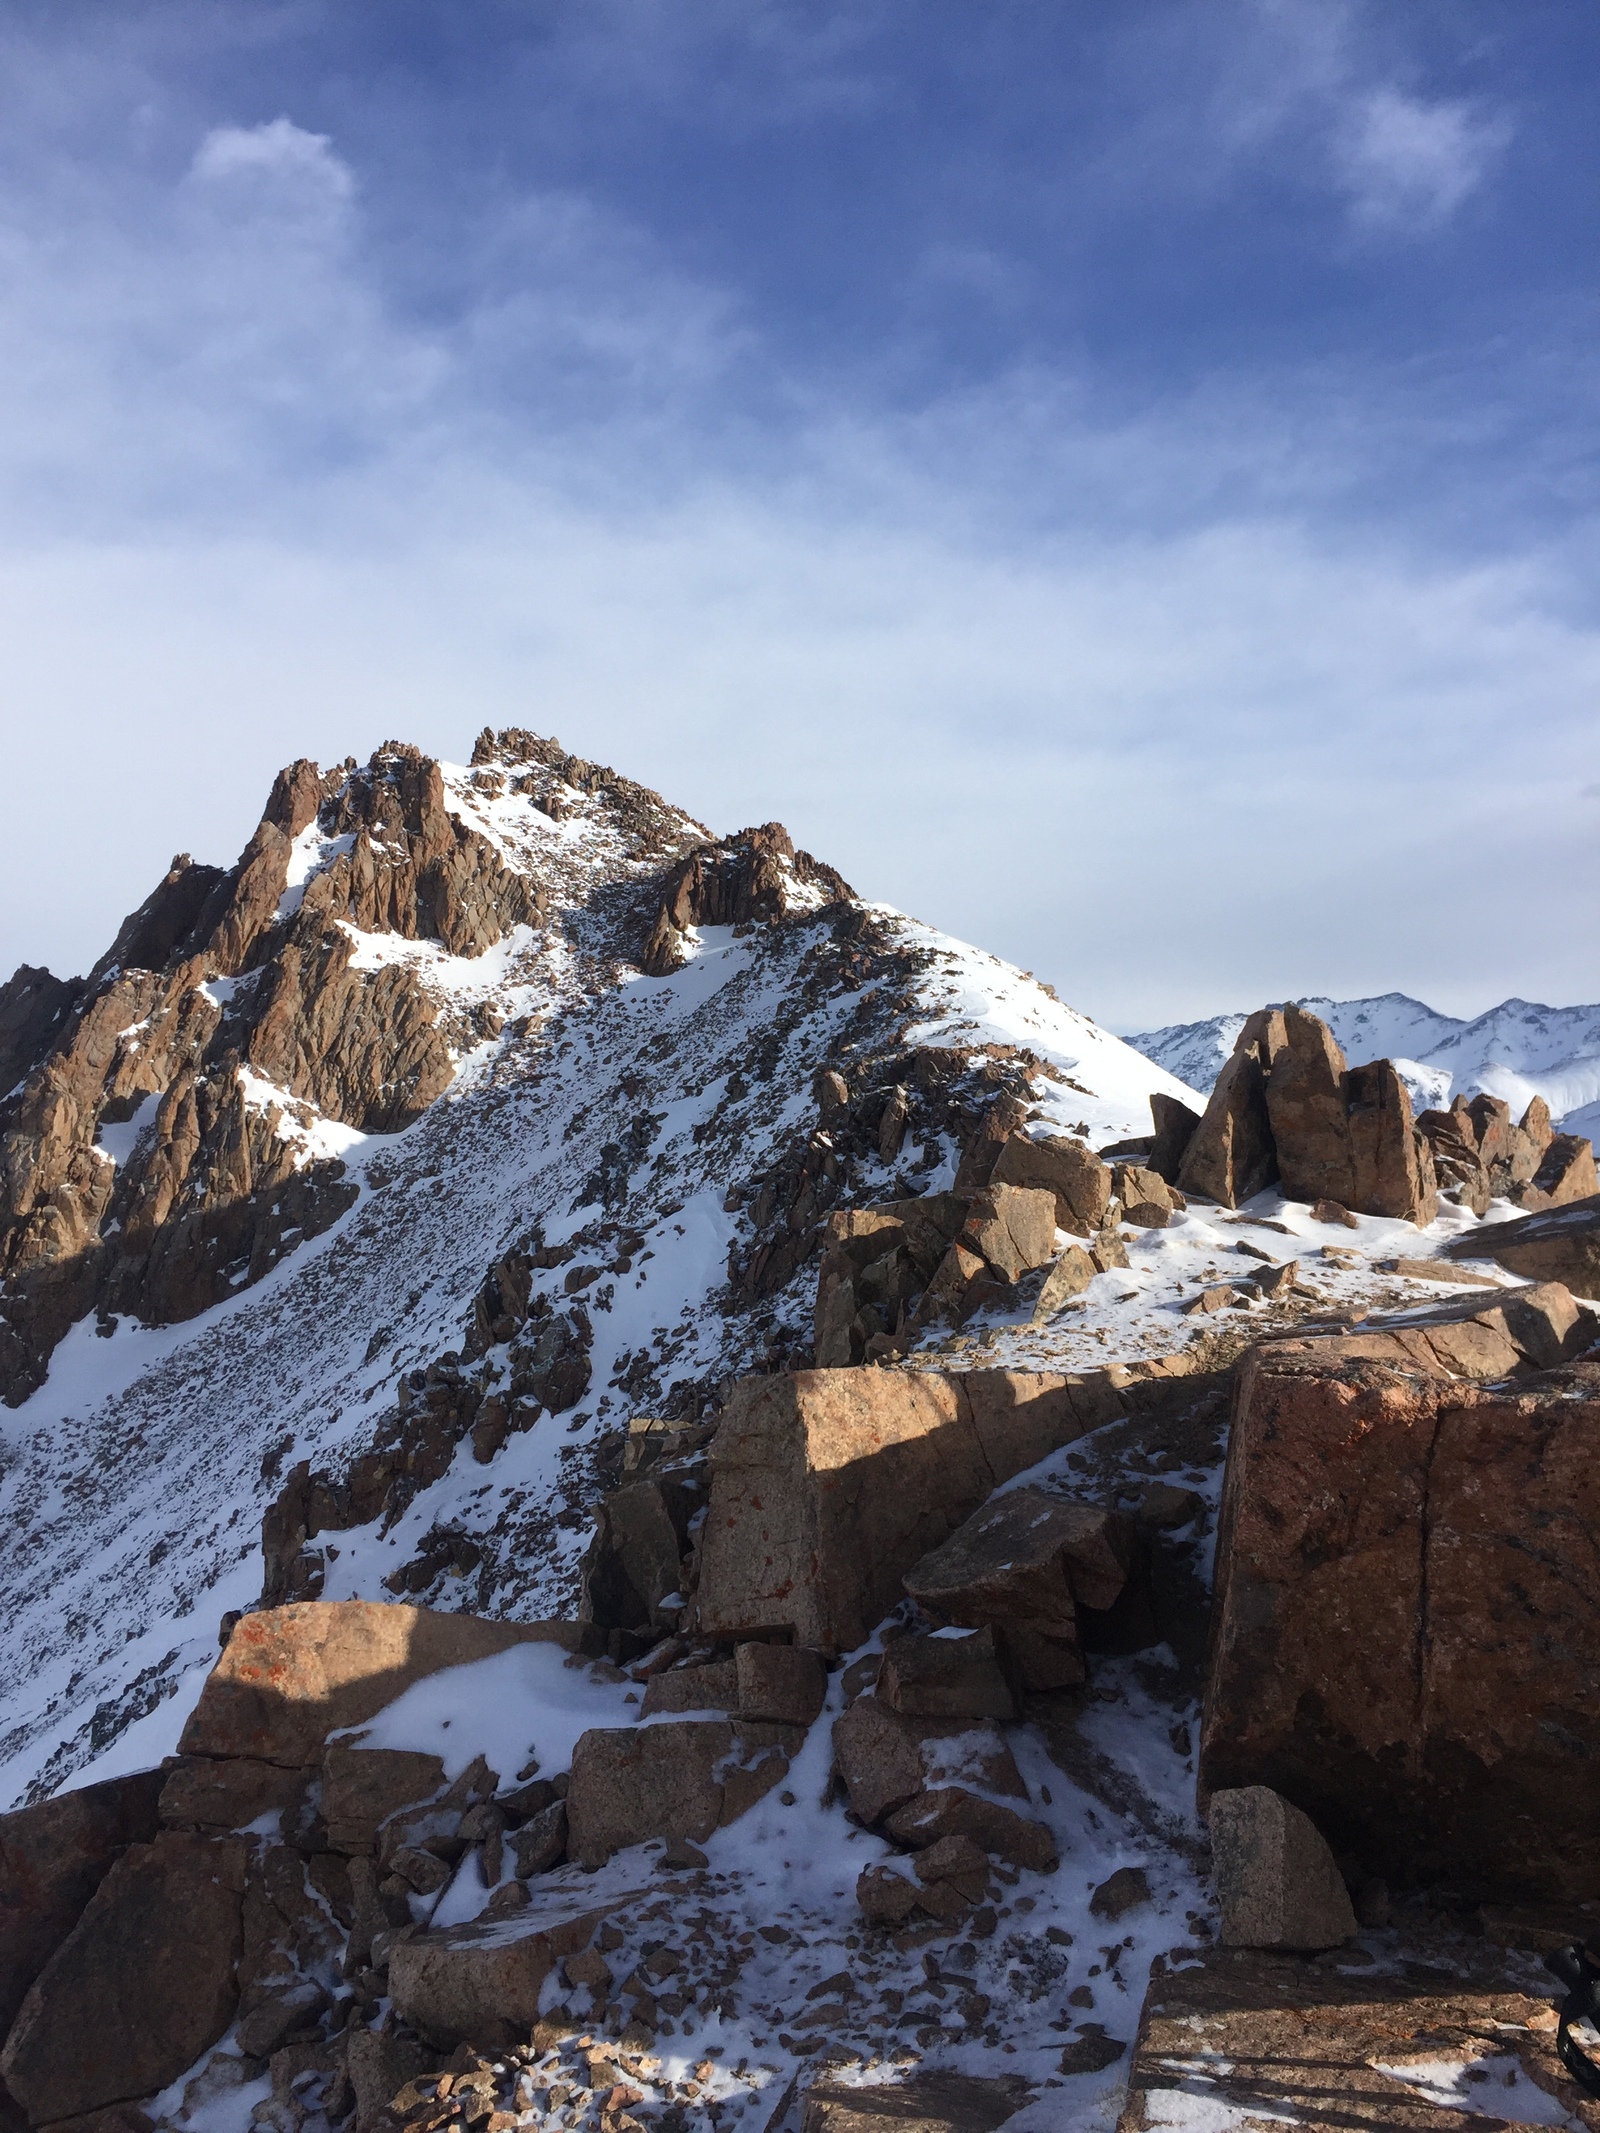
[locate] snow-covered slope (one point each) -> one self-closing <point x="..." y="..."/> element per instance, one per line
<point x="1517" y="1050"/>
<point x="628" y="1124"/>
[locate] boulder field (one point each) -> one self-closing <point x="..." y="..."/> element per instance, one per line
<point x="894" y="1588"/>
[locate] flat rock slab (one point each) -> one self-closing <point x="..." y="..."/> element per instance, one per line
<point x="483" y="1980"/>
<point x="1441" y="2035"/>
<point x="292" y="1675"/>
<point x="1562" y="1244"/>
<point x="928" y="2103"/>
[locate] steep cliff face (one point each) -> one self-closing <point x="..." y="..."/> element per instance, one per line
<point x="178" y="1120"/>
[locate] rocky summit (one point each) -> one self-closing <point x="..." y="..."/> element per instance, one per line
<point x="641" y="1494"/>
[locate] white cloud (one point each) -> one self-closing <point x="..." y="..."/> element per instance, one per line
<point x="1086" y="691"/>
<point x="1408" y="165"/>
<point x="277" y="153"/>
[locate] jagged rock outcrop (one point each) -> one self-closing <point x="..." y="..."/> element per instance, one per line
<point x="164" y="1146"/>
<point x="1404" y="1543"/>
<point x="34" y="1007"/>
<point x="1287" y="1109"/>
<point x="749" y="879"/>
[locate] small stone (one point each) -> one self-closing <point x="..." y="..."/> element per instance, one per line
<point x="1126" y="1889"/>
<point x="1333" y="1211"/>
<point x="425" y="1871"/>
<point x="1219" y="1298"/>
<point x="1167" y="1507"/>
<point x="1275" y="1876"/>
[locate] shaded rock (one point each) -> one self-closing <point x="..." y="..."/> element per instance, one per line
<point x="1275" y="1877"/>
<point x="946" y="1677"/>
<point x="139" y="1987"/>
<point x="483" y="1981"/>
<point x="292" y="1675"/>
<point x="692" y="1688"/>
<point x="1057" y="1164"/>
<point x="779" y="1683"/>
<point x="964" y="1284"/>
<point x="1399" y="1552"/>
<point x="955" y="1811"/>
<point x="1231" y="1155"/>
<point x="1022" y="1566"/>
<point x="679" y="1780"/>
<point x="1561" y="1245"/>
<point x="928" y="2103"/>
<point x="1125" y="1890"/>
<point x="53" y="1856"/>
<point x="886" y="1759"/>
<point x="1176" y="1125"/>
<point x="1011" y="1227"/>
<point x="827" y="1485"/>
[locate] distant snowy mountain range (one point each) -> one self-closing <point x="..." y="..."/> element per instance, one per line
<point x="1517" y="1051"/>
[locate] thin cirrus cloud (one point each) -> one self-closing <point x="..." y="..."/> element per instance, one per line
<point x="1184" y="696"/>
<point x="1408" y="165"/>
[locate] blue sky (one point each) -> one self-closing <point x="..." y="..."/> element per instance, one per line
<point x="1118" y="481"/>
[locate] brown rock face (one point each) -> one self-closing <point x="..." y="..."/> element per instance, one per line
<point x="1021" y="1567"/>
<point x="52" y="1859"/>
<point x="827" y="1485"/>
<point x="1231" y="1156"/>
<point x="1563" y="1245"/>
<point x="483" y="1981"/>
<point x="1176" y="1125"/>
<point x="290" y="1676"/>
<point x="876" y="1263"/>
<point x="1058" y="1164"/>
<point x="1400" y="1554"/>
<point x="679" y="1780"/>
<point x="1286" y="1106"/>
<point x="752" y="878"/>
<point x="212" y="1191"/>
<point x="1012" y="1228"/>
<point x="139" y="1988"/>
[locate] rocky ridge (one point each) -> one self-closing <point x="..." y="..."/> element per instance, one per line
<point x="871" y="1712"/>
